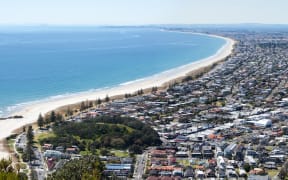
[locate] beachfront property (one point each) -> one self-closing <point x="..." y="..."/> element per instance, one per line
<point x="229" y="123"/>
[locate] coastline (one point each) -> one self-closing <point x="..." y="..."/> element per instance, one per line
<point x="31" y="112"/>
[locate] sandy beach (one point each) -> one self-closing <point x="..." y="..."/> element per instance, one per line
<point x="31" y="112"/>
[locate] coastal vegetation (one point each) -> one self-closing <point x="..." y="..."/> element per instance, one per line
<point x="88" y="167"/>
<point x="10" y="172"/>
<point x="28" y="153"/>
<point x="104" y="132"/>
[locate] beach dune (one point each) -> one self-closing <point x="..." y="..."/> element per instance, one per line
<point x="31" y="111"/>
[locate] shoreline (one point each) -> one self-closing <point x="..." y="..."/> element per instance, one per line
<point x="31" y="112"/>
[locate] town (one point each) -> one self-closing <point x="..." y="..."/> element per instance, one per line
<point x="228" y="123"/>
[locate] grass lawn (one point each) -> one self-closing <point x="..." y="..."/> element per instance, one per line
<point x="23" y="166"/>
<point x="129" y="129"/>
<point x="83" y="153"/>
<point x="120" y="153"/>
<point x="272" y="172"/>
<point x="184" y="162"/>
<point x="41" y="136"/>
<point x="44" y="135"/>
<point x="11" y="144"/>
<point x="25" y="171"/>
<point x="269" y="148"/>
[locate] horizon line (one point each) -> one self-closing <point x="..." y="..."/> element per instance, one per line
<point x="135" y="25"/>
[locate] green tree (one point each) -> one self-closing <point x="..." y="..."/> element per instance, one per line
<point x="52" y="116"/>
<point x="247" y="167"/>
<point x="154" y="89"/>
<point x="7" y="172"/>
<point x="82" y="106"/>
<point x="135" y="149"/>
<point x="69" y="112"/>
<point x="104" y="152"/>
<point x="47" y="119"/>
<point x="99" y="101"/>
<point x="59" y="117"/>
<point x="40" y="120"/>
<point x="90" y="104"/>
<point x="107" y="99"/>
<point x="29" y="153"/>
<point x="30" y="135"/>
<point x="86" y="168"/>
<point x="140" y="92"/>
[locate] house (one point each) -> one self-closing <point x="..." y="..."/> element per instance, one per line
<point x="181" y="154"/>
<point x="251" y="153"/>
<point x="242" y="173"/>
<point x="118" y="169"/>
<point x="207" y="152"/>
<point x="232" y="174"/>
<point x="52" y="154"/>
<point x="263" y="123"/>
<point x="270" y="165"/>
<point x="219" y="152"/>
<point x="196" y="154"/>
<point x="210" y="173"/>
<point x="47" y="147"/>
<point x="229" y="150"/>
<point x="72" y="150"/>
<point x="199" y="174"/>
<point x="189" y="172"/>
<point x="178" y="172"/>
<point x="126" y="160"/>
<point x="159" y="153"/>
<point x="251" y="161"/>
<point x="59" y="148"/>
<point x="153" y="172"/>
<point x="258" y="177"/>
<point x="180" y="138"/>
<point x="221" y="162"/>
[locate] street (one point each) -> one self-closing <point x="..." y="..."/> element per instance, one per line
<point x="140" y="165"/>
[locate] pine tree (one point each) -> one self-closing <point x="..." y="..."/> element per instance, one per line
<point x="30" y="135"/>
<point x="82" y="106"/>
<point x="29" y="154"/>
<point x="154" y="89"/>
<point x="40" y="120"/>
<point x="59" y="117"/>
<point x="107" y="99"/>
<point x="52" y="117"/>
<point x="99" y="101"/>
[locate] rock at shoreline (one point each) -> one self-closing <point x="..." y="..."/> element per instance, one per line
<point x="12" y="117"/>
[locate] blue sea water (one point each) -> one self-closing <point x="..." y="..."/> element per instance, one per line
<point x="37" y="63"/>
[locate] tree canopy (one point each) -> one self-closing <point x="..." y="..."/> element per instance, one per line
<point x="105" y="132"/>
<point x="88" y="167"/>
<point x="8" y="172"/>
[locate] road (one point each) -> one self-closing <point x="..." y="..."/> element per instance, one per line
<point x="39" y="163"/>
<point x="140" y="165"/>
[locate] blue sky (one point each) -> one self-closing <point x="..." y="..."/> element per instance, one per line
<point x="135" y="12"/>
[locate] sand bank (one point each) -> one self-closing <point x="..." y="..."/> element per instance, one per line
<point x="31" y="111"/>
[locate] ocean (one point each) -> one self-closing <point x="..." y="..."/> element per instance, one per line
<point x="39" y="63"/>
